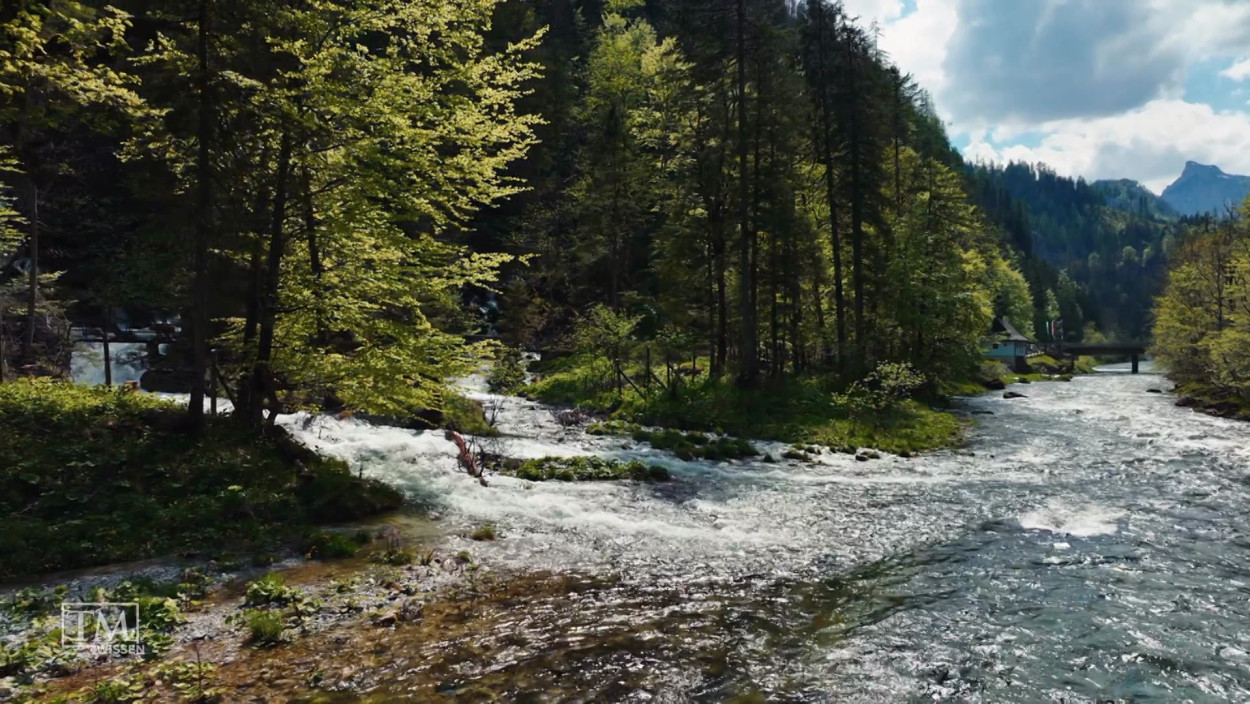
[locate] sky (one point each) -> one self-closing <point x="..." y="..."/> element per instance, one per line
<point x="1093" y="88"/>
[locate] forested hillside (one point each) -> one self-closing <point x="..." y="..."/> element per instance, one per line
<point x="328" y="192"/>
<point x="1094" y="253"/>
<point x="753" y="184"/>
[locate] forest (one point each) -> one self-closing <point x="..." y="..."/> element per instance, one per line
<point x="1095" y="255"/>
<point x="1202" y="320"/>
<point x="326" y="194"/>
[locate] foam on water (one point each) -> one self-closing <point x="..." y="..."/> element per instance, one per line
<point x="728" y="518"/>
<point x="1082" y="521"/>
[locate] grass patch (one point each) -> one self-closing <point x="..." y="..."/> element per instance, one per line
<point x="395" y="557"/>
<point x="582" y="469"/>
<point x="801" y="410"/>
<point x="330" y="546"/>
<point x="993" y="376"/>
<point x="264" y="628"/>
<point x="90" y="476"/>
<point x="486" y="531"/>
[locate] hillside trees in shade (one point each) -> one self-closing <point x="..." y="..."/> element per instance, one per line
<point x="1202" y="327"/>
<point x="325" y="190"/>
<point x="773" y="189"/>
<point x="58" y="84"/>
<point x="1101" y="248"/>
<point x="324" y="155"/>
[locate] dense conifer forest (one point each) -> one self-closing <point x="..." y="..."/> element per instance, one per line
<point x="327" y="194"/>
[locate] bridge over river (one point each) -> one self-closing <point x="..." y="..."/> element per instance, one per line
<point x="1133" y="350"/>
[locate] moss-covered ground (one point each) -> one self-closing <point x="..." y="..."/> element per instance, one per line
<point x="90" y="476"/>
<point x="802" y="409"/>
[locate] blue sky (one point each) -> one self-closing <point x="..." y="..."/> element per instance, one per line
<point x="1094" y="88"/>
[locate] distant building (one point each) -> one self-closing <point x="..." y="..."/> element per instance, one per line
<point x="1009" y="345"/>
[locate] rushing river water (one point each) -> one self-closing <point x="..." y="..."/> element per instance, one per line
<point x="1092" y="543"/>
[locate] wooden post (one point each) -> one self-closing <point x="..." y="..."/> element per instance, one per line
<point x="1134" y="362"/>
<point x="212" y="383"/>
<point x="647" y="380"/>
<point x="108" y="357"/>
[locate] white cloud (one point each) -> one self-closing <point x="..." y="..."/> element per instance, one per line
<point x="869" y="11"/>
<point x="1097" y="85"/>
<point x="1150" y="143"/>
<point x="1239" y="71"/>
<point x="917" y="42"/>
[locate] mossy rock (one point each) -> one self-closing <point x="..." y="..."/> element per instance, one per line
<point x="581" y="469"/>
<point x="697" y="445"/>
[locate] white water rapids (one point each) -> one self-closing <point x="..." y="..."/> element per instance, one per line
<point x="1092" y="542"/>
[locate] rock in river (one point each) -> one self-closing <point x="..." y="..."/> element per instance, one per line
<point x="1014" y="394"/>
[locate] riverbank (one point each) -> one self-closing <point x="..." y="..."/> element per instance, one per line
<point x="213" y="636"/>
<point x="1073" y="526"/>
<point x="800" y="411"/>
<point x="1209" y="399"/>
<point x="93" y="476"/>
<point x="994" y="376"/>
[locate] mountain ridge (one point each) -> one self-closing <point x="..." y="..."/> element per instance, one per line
<point x="1205" y="189"/>
<point x="1132" y="196"/>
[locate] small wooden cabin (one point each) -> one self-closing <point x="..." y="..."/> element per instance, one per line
<point x="1009" y="345"/>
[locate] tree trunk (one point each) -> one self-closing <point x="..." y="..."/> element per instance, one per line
<point x="4" y="352"/>
<point x="203" y="223"/>
<point x="32" y="294"/>
<point x="108" y="357"/>
<point x="314" y="257"/>
<point x="748" y="357"/>
<point x="720" y="358"/>
<point x="262" y="375"/>
<point x="858" y="196"/>
<point x="826" y="158"/>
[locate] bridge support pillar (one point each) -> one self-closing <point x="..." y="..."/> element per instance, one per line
<point x="1135" y="357"/>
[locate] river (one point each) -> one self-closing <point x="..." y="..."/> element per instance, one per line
<point x="1091" y="543"/>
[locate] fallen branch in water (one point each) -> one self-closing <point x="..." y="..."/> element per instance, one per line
<point x="467" y="460"/>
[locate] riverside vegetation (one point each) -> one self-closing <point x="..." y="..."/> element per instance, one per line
<point x="90" y="476"/>
<point x="1202" y="327"/>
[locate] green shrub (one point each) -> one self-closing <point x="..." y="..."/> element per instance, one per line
<point x="271" y="589"/>
<point x="114" y="691"/>
<point x="696" y="445"/>
<point x="507" y="374"/>
<point x="882" y="390"/>
<point x="466" y="416"/>
<point x="264" y="628"/>
<point x="396" y="557"/>
<point x="329" y="546"/>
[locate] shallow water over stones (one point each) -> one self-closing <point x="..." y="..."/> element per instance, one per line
<point x="1091" y="543"/>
